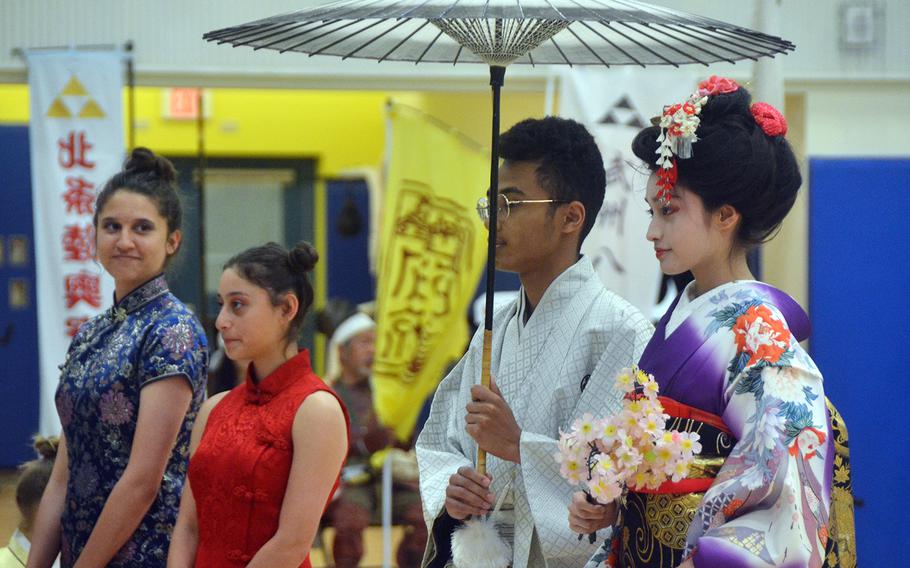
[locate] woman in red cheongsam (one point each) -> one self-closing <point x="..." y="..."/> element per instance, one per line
<point x="265" y="456"/>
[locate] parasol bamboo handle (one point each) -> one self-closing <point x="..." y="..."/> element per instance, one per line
<point x="485" y="381"/>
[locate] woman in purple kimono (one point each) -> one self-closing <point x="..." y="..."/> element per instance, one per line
<point x="770" y="486"/>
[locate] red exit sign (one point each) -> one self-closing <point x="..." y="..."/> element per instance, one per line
<point x="182" y="103"/>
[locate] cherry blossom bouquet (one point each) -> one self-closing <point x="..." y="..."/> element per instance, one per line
<point x="632" y="448"/>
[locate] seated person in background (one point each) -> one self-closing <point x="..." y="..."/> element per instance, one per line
<point x="359" y="501"/>
<point x="33" y="476"/>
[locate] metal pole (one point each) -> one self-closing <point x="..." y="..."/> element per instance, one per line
<point x="200" y="184"/>
<point x="497" y="78"/>
<point x="130" y="93"/>
<point x="387" y="511"/>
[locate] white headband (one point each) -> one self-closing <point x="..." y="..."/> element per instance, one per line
<point x="357" y="323"/>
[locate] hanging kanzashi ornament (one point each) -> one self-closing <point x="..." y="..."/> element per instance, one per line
<point x="678" y="124"/>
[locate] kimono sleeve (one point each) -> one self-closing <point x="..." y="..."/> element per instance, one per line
<point x="441" y="450"/>
<point x="174" y="346"/>
<point x="548" y="494"/>
<point x="770" y="501"/>
<point x="441" y="447"/>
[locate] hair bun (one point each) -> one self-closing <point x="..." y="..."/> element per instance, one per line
<point x="731" y="106"/>
<point x="46" y="448"/>
<point x="303" y="257"/>
<point x="143" y="160"/>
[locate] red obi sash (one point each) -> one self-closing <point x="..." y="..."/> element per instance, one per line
<point x="704" y="469"/>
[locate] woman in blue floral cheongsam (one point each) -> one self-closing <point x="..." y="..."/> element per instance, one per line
<point x="130" y="387"/>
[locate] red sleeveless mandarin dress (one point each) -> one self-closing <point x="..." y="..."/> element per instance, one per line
<point x="239" y="472"/>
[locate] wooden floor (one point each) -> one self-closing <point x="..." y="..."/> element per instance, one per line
<point x="9" y="518"/>
<point x="9" y="513"/>
<point x="372" y="544"/>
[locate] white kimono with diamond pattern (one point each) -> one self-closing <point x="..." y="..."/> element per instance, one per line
<point x="579" y="329"/>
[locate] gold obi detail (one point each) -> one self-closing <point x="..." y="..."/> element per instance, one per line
<point x="705" y="467"/>
<point x="840" y="523"/>
<point x="842" y="528"/>
<point x="669" y="515"/>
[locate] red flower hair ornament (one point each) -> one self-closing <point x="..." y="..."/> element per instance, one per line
<point x="771" y="121"/>
<point x="715" y="85"/>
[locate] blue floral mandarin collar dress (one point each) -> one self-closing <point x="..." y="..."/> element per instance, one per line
<point x="149" y="335"/>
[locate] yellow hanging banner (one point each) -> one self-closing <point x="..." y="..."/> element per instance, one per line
<point x="432" y="253"/>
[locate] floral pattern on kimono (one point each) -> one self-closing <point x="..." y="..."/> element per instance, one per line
<point x="775" y="486"/>
<point x="148" y="336"/>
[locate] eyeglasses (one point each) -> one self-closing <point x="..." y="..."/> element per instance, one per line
<point x="505" y="205"/>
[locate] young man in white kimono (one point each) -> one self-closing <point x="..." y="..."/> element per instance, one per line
<point x="556" y="351"/>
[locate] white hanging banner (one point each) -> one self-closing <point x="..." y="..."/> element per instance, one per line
<point x="614" y="105"/>
<point x="76" y="143"/>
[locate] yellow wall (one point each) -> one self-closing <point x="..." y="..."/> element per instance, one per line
<point x="13" y="104"/>
<point x="786" y="256"/>
<point x="341" y="129"/>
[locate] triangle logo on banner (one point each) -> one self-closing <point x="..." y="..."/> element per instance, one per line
<point x="74" y="87"/>
<point x="59" y="110"/>
<point x="623" y="113"/>
<point x="74" y="96"/>
<point x="91" y="110"/>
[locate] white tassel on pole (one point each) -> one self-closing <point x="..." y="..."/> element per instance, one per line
<point x="477" y="544"/>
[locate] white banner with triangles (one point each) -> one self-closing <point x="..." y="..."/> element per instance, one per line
<point x="614" y="105"/>
<point x="76" y="143"/>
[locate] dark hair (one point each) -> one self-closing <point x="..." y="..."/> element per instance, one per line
<point x="152" y="176"/>
<point x="570" y="167"/>
<point x="279" y="272"/>
<point x="336" y="310"/>
<point x="34" y="475"/>
<point x="735" y="163"/>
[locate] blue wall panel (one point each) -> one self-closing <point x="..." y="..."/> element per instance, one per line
<point x="859" y="274"/>
<point x="19" y="385"/>
<point x="348" y="263"/>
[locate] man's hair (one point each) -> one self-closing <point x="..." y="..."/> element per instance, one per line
<point x="570" y="167"/>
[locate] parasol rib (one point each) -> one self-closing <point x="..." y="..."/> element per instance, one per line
<point x="588" y="47"/>
<point x="707" y="39"/>
<point x="639" y="44"/>
<point x="686" y="42"/>
<point x="615" y="46"/>
<point x="312" y="26"/>
<point x="402" y="42"/>
<point x="320" y="36"/>
<point x="663" y="43"/>
<point x="370" y="42"/>
<point x="347" y="37"/>
<point x="419" y="59"/>
<point x="559" y="49"/>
